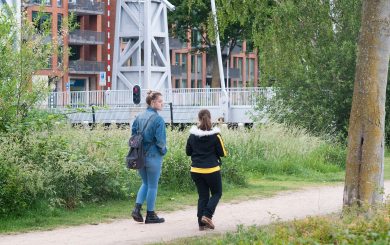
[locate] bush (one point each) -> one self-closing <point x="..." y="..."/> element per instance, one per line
<point x="63" y="166"/>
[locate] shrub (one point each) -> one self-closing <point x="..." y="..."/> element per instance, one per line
<point x="63" y="166"/>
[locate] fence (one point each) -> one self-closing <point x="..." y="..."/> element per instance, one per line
<point x="199" y="97"/>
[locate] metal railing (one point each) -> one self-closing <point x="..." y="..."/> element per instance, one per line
<point x="36" y="2"/>
<point x="207" y="97"/>
<point x="86" y="67"/>
<point x="86" y="6"/>
<point x="248" y="96"/>
<point x="86" y="37"/>
<point x="203" y="97"/>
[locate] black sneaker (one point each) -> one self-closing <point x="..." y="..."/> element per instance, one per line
<point x="152" y="218"/>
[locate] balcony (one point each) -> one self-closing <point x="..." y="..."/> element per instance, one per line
<point x="234" y="73"/>
<point x="86" y="7"/>
<point x="82" y="37"/>
<point x="86" y="67"/>
<point x="27" y="3"/>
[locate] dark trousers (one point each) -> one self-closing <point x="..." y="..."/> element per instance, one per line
<point x="206" y="183"/>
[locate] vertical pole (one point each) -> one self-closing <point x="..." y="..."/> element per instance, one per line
<point x="225" y="99"/>
<point x="171" y="110"/>
<point x="140" y="44"/>
<point x="93" y="118"/>
<point x="221" y="75"/>
<point x="93" y="114"/>
<point x="227" y="68"/>
<point x="147" y="44"/>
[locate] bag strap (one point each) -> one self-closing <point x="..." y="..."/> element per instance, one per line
<point x="150" y="145"/>
<point x="146" y="124"/>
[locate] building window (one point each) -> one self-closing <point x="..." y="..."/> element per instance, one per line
<point x="250" y="69"/>
<point x="45" y="2"/>
<point x="184" y="83"/>
<point x="177" y="59"/>
<point x="42" y="21"/>
<point x="184" y="63"/>
<point x="59" y="3"/>
<point x="193" y="63"/>
<point x="196" y="38"/>
<point x="177" y="83"/>
<point x="74" y="52"/>
<point x="199" y="84"/>
<point x="60" y="56"/>
<point x="59" y="23"/>
<point x="199" y="64"/>
<point x="77" y="85"/>
<point x="192" y="83"/>
<point x="239" y="66"/>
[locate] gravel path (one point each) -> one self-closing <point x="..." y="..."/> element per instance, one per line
<point x="285" y="206"/>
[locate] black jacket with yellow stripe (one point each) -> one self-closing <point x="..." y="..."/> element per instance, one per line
<point x="205" y="148"/>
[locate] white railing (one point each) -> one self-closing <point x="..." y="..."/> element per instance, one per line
<point x="207" y="97"/>
<point x="203" y="97"/>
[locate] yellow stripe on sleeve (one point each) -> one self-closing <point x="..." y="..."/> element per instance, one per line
<point x="223" y="145"/>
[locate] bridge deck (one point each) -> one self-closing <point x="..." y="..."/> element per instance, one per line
<point x="117" y="105"/>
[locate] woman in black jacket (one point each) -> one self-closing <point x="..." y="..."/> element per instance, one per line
<point x="205" y="146"/>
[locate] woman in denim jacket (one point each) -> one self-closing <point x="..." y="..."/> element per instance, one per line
<point x="154" y="139"/>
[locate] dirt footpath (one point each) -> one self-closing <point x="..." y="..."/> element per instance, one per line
<point x="183" y="223"/>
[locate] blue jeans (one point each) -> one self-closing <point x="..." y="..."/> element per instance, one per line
<point x="150" y="175"/>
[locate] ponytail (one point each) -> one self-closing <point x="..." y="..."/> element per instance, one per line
<point x="204" y="118"/>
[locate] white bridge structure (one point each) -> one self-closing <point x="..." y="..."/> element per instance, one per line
<point x="181" y="105"/>
<point x="141" y="50"/>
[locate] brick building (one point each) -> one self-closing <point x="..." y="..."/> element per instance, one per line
<point x="91" y="50"/>
<point x="87" y="42"/>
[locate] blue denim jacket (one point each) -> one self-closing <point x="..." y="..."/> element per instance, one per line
<point x="154" y="134"/>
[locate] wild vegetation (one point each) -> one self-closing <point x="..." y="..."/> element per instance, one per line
<point x="350" y="229"/>
<point x="306" y="52"/>
<point x="66" y="167"/>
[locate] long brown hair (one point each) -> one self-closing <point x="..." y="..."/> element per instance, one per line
<point x="152" y="95"/>
<point x="204" y="118"/>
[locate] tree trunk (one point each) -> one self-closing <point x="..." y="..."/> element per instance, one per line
<point x="364" y="167"/>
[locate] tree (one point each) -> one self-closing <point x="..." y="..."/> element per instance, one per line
<point x="364" y="169"/>
<point x="23" y="51"/>
<point x="307" y="53"/>
<point x="196" y="15"/>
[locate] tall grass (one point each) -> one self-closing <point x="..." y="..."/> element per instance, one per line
<point x="351" y="229"/>
<point x="273" y="149"/>
<point x="68" y="166"/>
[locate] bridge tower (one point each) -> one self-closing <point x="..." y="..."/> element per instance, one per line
<point x="14" y="5"/>
<point x="141" y="47"/>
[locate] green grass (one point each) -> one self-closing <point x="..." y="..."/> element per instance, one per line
<point x="312" y="230"/>
<point x="270" y="160"/>
<point x="387" y="168"/>
<point x="329" y="229"/>
<point x="167" y="201"/>
<point x="257" y="187"/>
